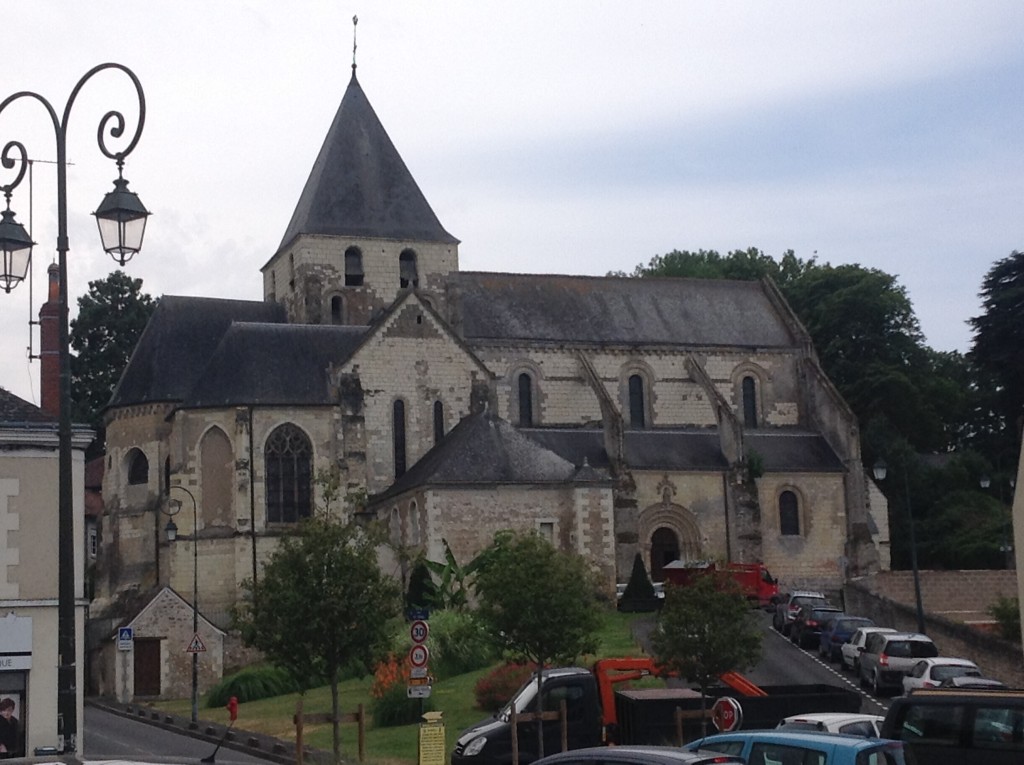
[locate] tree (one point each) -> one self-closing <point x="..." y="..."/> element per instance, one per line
<point x="110" y="321"/>
<point x="321" y="604"/>
<point x="705" y="629"/>
<point x="998" y="346"/>
<point x="639" y="594"/>
<point x="540" y="603"/>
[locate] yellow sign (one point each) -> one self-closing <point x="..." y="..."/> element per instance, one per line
<point x="419" y="681"/>
<point x="431" y="749"/>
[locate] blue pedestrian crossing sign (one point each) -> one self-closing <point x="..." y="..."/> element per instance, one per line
<point x="125" y="638"/>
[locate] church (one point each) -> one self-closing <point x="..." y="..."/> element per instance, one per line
<point x="674" y="418"/>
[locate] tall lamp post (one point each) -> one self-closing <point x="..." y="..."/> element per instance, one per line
<point x="173" y="507"/>
<point x="880" y="470"/>
<point x="122" y="222"/>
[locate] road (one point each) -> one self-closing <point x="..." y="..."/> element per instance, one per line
<point x="110" y="736"/>
<point x="782" y="663"/>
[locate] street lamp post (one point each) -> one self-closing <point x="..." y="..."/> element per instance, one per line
<point x="880" y="470"/>
<point x="174" y="506"/>
<point x="122" y="221"/>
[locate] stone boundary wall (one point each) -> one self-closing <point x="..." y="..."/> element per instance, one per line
<point x="961" y="596"/>
<point x="996" y="657"/>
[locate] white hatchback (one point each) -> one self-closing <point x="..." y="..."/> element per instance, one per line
<point x="928" y="673"/>
<point x="849" y="654"/>
<point x="869" y="726"/>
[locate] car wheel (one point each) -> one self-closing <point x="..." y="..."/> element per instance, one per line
<point x="863" y="680"/>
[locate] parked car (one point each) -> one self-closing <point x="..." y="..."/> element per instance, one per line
<point x="849" y="654"/>
<point x="952" y="727"/>
<point x="869" y="726"/>
<point x="786" y="610"/>
<point x="763" y="747"/>
<point x="973" y="683"/>
<point x="928" y="673"/>
<point x="636" y="755"/>
<point x="805" y="630"/>
<point x="837" y="631"/>
<point x="888" y="656"/>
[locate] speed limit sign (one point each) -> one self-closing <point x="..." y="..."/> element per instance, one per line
<point x="418" y="655"/>
<point x="418" y="630"/>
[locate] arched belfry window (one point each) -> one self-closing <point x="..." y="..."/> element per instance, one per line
<point x="789" y="514"/>
<point x="398" y="435"/>
<point x="353" y="267"/>
<point x="749" y="386"/>
<point x="337" y="310"/>
<point x="637" y="402"/>
<point x="438" y="422"/>
<point x="289" y="465"/>
<point x="525" y="383"/>
<point x="407" y="274"/>
<point x="138" y="468"/>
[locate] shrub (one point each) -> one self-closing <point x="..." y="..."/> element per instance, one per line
<point x="639" y="595"/>
<point x="391" y="705"/>
<point x="257" y="682"/>
<point x="458" y="643"/>
<point x="1006" y="612"/>
<point x="497" y="687"/>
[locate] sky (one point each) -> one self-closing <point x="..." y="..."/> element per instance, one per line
<point x="549" y="136"/>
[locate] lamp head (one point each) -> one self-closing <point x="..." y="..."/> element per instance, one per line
<point x="121" y="218"/>
<point x="879" y="470"/>
<point x="172" y="530"/>
<point x="15" y="248"/>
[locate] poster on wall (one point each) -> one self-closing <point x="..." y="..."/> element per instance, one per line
<point x="12" y="733"/>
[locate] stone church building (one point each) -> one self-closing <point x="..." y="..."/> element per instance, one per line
<point x="676" y="418"/>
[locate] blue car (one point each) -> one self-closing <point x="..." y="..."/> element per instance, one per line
<point x="771" y="747"/>
<point x="839" y="631"/>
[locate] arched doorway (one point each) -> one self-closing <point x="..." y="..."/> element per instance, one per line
<point x="664" y="549"/>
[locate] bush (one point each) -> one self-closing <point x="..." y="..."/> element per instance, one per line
<point x="458" y="643"/>
<point x="1006" y="612"/>
<point x="391" y="705"/>
<point x="258" y="682"/>
<point x="496" y="688"/>
<point x="639" y="596"/>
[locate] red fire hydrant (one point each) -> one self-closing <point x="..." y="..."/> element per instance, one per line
<point x="233" y="708"/>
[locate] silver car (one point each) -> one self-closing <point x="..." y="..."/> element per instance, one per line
<point x="889" y="656"/>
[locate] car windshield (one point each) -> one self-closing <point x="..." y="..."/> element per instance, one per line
<point x="849" y="625"/>
<point x="803" y="600"/>
<point x="522" y="700"/>
<point x="942" y="673"/>
<point x="911" y="649"/>
<point x="883" y="754"/>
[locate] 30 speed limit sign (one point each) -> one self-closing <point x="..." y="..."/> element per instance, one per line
<point x="418" y="630"/>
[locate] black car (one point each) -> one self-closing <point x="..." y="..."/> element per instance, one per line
<point x="805" y="630"/>
<point x="637" y="755"/>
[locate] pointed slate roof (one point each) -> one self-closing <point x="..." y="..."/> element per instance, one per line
<point x="604" y="311"/>
<point x="359" y="186"/>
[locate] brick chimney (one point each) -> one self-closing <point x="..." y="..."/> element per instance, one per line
<point x="49" y="344"/>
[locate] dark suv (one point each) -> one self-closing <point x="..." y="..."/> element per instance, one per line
<point x="888" y="656"/>
<point x="787" y="609"/>
<point x="805" y="630"/>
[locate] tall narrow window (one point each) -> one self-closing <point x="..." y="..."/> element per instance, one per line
<point x="789" y="514"/>
<point x="637" y="407"/>
<point x="398" y="434"/>
<point x="525" y="400"/>
<point x="353" y="267"/>
<point x="167" y="477"/>
<point x="407" y="275"/>
<point x="438" y="422"/>
<point x="337" y="310"/>
<point x="217" y="466"/>
<point x="289" y="466"/>
<point x="749" y="402"/>
<point x="138" y="468"/>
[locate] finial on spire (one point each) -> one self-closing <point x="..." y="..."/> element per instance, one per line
<point x="355" y="21"/>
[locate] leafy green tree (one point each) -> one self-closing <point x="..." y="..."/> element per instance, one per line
<point x="322" y="605"/>
<point x="705" y="630"/>
<point x="540" y="603"/>
<point x="110" y="321"/>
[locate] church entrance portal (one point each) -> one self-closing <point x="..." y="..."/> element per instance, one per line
<point x="664" y="549"/>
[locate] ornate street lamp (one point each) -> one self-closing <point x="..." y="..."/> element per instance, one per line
<point x="173" y="508"/>
<point x="119" y="218"/>
<point x="880" y="470"/>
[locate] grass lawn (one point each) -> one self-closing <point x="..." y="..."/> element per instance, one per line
<point x="389" y="746"/>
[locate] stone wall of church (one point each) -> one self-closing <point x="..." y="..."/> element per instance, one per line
<point x="312" y="271"/>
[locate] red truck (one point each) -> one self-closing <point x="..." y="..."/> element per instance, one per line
<point x="757" y="584"/>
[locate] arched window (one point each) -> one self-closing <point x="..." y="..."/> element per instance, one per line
<point x="217" y="470"/>
<point x="398" y="435"/>
<point x="291" y="270"/>
<point x="167" y="477"/>
<point x="525" y="400"/>
<point x="749" y="402"/>
<point x="407" y="276"/>
<point x="289" y="465"/>
<point x="337" y="310"/>
<point x="138" y="468"/>
<point x="353" y="267"/>
<point x="789" y="514"/>
<point x="637" y="405"/>
<point x="438" y="422"/>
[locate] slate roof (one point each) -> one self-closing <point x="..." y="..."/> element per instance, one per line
<point x="178" y="341"/>
<point x="790" y="451"/>
<point x="273" y="364"/>
<point x="615" y="310"/>
<point x="359" y="186"/>
<point x="15" y="411"/>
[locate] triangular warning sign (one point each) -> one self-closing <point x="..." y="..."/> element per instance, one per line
<point x="196" y="646"/>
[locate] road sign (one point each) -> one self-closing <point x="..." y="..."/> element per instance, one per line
<point x="419" y="631"/>
<point x="727" y="714"/>
<point x="418" y="692"/>
<point x="418" y="655"/>
<point x="419" y="680"/>
<point x="196" y="645"/>
<point x="418" y="672"/>
<point x="417" y="614"/>
<point x="125" y="638"/>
